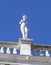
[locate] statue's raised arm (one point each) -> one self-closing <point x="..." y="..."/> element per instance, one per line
<point x="24" y="27"/>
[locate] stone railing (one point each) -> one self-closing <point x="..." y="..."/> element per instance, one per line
<point x="14" y="48"/>
<point x="42" y="50"/>
<point x="41" y="53"/>
<point x="9" y="47"/>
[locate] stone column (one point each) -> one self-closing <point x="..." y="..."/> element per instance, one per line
<point x="2" y="50"/>
<point x="8" y="50"/>
<point x="47" y="53"/>
<point x="14" y="51"/>
<point x="41" y="53"/>
<point x="25" y="46"/>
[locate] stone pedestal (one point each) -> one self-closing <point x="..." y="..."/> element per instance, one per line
<point x="25" y="46"/>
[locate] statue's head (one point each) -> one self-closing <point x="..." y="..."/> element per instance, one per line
<point x="24" y="17"/>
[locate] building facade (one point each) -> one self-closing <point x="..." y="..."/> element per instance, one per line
<point x="24" y="52"/>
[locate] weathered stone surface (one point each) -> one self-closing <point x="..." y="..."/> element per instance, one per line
<point x="10" y="44"/>
<point x="14" y="59"/>
<point x="17" y="45"/>
<point x="24" y="59"/>
<point x="25" y="46"/>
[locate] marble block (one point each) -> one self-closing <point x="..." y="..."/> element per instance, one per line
<point x="25" y="46"/>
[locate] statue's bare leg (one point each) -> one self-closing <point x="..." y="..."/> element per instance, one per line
<point x="26" y="35"/>
<point x="23" y="36"/>
<point x="26" y="32"/>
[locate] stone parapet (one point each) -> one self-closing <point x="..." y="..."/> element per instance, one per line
<point x="25" y="59"/>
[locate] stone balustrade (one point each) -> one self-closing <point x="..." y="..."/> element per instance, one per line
<point x="8" y="50"/>
<point x="5" y="47"/>
<point x="41" y="53"/>
<point x="14" y="48"/>
<point x="15" y="51"/>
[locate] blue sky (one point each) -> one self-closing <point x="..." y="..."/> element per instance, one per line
<point x="39" y="20"/>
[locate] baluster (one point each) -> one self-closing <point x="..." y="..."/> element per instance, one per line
<point x="14" y="51"/>
<point x="8" y="50"/>
<point x="41" y="53"/>
<point x="47" y="53"/>
<point x="2" y="50"/>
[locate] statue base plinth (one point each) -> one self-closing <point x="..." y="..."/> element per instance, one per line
<point x="25" y="46"/>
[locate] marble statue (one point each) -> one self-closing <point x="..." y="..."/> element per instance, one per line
<point x="24" y="27"/>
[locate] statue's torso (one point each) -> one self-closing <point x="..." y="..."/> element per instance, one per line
<point x="23" y="24"/>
